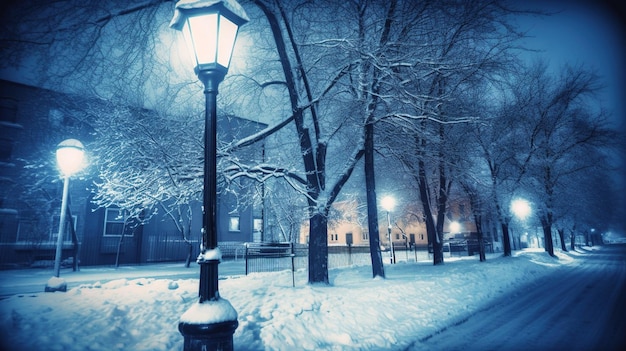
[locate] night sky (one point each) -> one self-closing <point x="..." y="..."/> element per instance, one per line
<point x="585" y="32"/>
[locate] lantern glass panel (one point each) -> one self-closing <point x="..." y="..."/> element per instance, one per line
<point x="228" y="34"/>
<point x="201" y="33"/>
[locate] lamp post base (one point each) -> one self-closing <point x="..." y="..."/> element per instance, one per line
<point x="208" y="337"/>
<point x="56" y="284"/>
<point x="209" y="326"/>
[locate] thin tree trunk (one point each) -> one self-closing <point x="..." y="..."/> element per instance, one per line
<point x="372" y="206"/>
<point x="480" y="236"/>
<point x="562" y="237"/>
<point x="431" y="231"/>
<point x="547" y="235"/>
<point x="189" y="253"/>
<point x="119" y="245"/>
<point x="506" y="239"/>
<point x="442" y="199"/>
<point x="318" y="249"/>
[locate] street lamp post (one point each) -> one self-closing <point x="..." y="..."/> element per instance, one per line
<point x="389" y="203"/>
<point x="70" y="156"/>
<point x="210" y="28"/>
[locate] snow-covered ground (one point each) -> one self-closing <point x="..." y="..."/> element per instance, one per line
<point x="355" y="313"/>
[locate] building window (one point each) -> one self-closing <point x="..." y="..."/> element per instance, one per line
<point x="258" y="224"/>
<point x="397" y="236"/>
<point x="365" y="235"/>
<point x="421" y="236"/>
<point x="233" y="224"/>
<point x="114" y="222"/>
<point x="54" y="232"/>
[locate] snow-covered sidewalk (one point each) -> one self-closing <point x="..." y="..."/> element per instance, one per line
<point x="355" y="313"/>
<point x="33" y="280"/>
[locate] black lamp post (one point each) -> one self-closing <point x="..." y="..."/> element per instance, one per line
<point x="210" y="28"/>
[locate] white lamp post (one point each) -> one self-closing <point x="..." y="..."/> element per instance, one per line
<point x="70" y="156"/>
<point x="210" y="28"/>
<point x="388" y="204"/>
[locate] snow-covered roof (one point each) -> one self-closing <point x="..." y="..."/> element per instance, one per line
<point x="231" y="6"/>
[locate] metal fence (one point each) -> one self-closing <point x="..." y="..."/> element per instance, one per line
<point x="168" y="248"/>
<point x="273" y="257"/>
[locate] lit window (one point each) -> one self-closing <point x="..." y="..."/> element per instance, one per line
<point x="233" y="224"/>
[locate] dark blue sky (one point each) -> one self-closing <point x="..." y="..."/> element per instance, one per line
<point x="585" y="32"/>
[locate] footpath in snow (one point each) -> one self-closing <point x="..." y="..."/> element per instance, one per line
<point x="355" y="312"/>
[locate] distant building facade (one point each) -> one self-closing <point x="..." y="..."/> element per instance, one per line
<point x="348" y="226"/>
<point x="32" y="122"/>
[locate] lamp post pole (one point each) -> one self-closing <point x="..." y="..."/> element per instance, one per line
<point x="62" y="220"/>
<point x="70" y="156"/>
<point x="391" y="252"/>
<point x="388" y="204"/>
<point x="208" y="289"/>
<point x="210" y="27"/>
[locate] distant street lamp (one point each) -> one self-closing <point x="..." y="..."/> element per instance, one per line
<point x="388" y="204"/>
<point x="210" y="28"/>
<point x="70" y="156"/>
<point x="521" y="208"/>
<point x="455" y="227"/>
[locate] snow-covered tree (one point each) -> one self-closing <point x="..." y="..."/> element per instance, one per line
<point x="565" y="131"/>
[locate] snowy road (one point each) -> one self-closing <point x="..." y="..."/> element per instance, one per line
<point x="576" y="308"/>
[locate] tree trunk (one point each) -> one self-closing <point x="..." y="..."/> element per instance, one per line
<point x="431" y="231"/>
<point x="372" y="204"/>
<point x="572" y="239"/>
<point x="119" y="248"/>
<point x="547" y="235"/>
<point x="562" y="237"/>
<point x="479" y="235"/>
<point x="506" y="239"/>
<point x="189" y="253"/>
<point x="318" y="249"/>
<point x="442" y="200"/>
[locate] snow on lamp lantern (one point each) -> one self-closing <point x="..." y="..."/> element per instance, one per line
<point x="210" y="29"/>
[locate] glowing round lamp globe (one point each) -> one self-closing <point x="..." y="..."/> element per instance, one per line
<point x="455" y="227"/>
<point x="70" y="156"/>
<point x="521" y="208"/>
<point x="388" y="203"/>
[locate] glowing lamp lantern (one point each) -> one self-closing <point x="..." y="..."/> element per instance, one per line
<point x="210" y="29"/>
